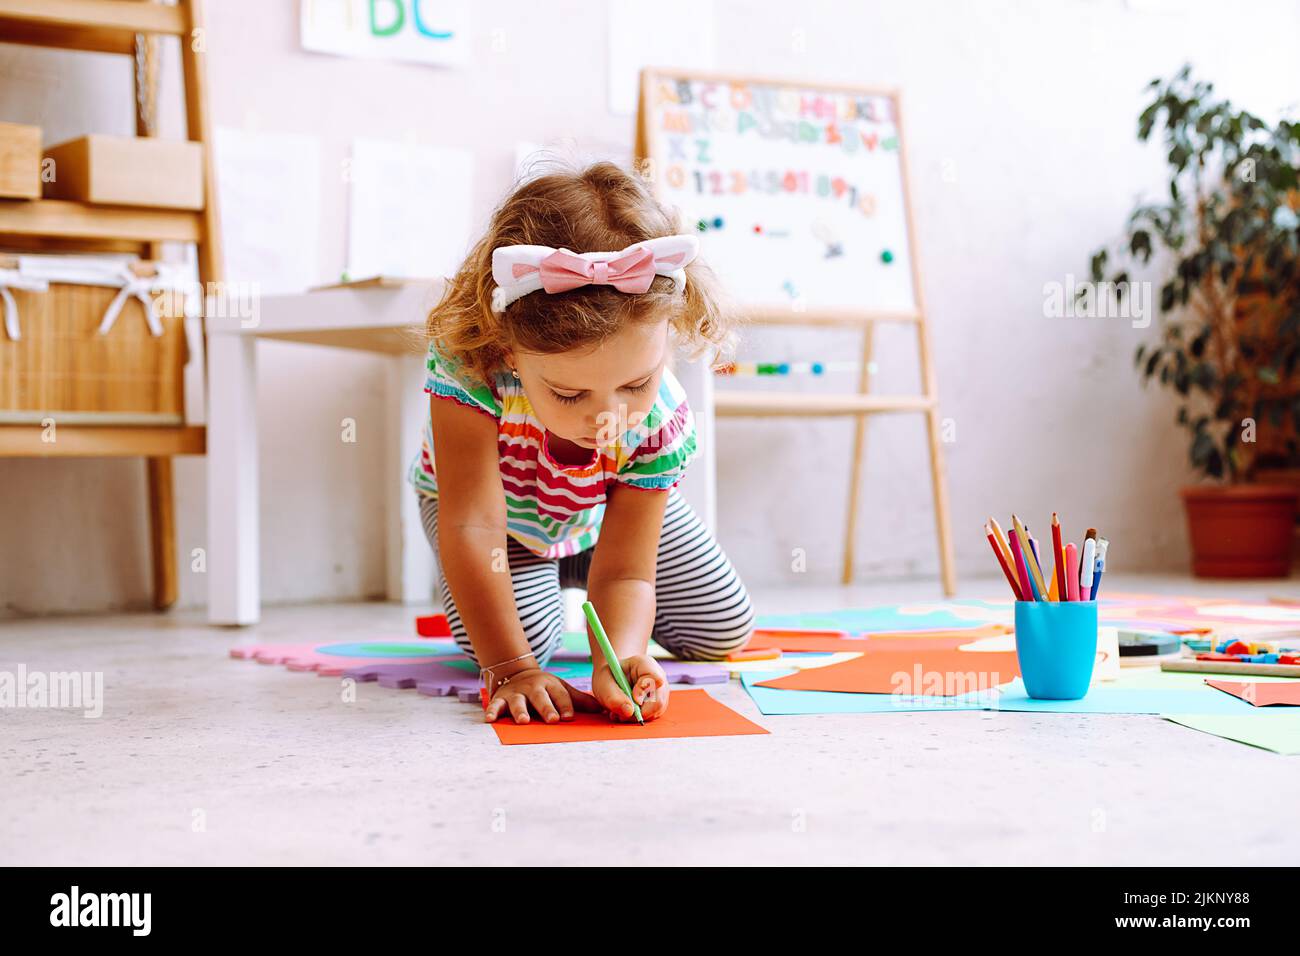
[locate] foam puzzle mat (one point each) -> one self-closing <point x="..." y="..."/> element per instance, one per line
<point x="461" y="677"/>
<point x="437" y="667"/>
<point x="433" y="665"/>
<point x="332" y="659"/>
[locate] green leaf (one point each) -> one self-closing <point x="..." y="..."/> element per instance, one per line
<point x="1140" y="245"/>
<point x="1202" y="446"/>
<point x="1214" y="464"/>
<point x="1166" y="297"/>
<point x="1099" y="265"/>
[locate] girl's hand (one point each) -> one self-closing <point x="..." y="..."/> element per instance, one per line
<point x="648" y="683"/>
<point x="552" y="699"/>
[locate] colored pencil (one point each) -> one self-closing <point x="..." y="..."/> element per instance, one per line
<point x="611" y="658"/>
<point x="1231" y="667"/>
<point x="1002" y="562"/>
<point x="1035" y="573"/>
<point x="1072" y="571"/>
<point x="1027" y="592"/>
<point x="1038" y="559"/>
<point x="1002" y="542"/>
<point x="1059" y="557"/>
<point x="1033" y="549"/>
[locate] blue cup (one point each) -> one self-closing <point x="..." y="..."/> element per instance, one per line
<point x="1056" y="645"/>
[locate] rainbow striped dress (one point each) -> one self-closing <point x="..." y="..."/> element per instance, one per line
<point x="555" y="510"/>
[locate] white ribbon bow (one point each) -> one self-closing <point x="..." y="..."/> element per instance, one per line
<point x="13" y="279"/>
<point x="138" y="287"/>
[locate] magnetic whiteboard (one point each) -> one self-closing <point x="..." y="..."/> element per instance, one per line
<point x="800" y="188"/>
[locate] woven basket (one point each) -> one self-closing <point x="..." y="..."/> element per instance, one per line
<point x="62" y="368"/>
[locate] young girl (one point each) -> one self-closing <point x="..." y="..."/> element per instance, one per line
<point x="555" y="423"/>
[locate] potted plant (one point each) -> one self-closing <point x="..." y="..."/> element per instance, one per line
<point x="1227" y="241"/>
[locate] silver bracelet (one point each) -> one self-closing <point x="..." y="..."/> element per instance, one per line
<point x="488" y="672"/>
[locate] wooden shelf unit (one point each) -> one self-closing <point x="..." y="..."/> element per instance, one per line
<point x="97" y="26"/>
<point x="60" y="218"/>
<point x="102" y="441"/>
<point x="48" y="225"/>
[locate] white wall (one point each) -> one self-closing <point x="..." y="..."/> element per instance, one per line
<point x="1021" y="121"/>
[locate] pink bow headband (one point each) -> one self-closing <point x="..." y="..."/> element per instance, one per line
<point x="519" y="270"/>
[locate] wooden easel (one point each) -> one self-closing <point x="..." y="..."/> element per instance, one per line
<point x="863" y="403"/>
<point x="52" y="225"/>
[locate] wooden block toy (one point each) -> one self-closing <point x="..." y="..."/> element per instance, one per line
<point x="20" y="161"/>
<point x="127" y="171"/>
<point x="432" y="625"/>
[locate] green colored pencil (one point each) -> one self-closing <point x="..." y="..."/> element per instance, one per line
<point x="611" y="658"/>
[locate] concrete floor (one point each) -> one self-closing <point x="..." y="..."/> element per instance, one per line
<point x="199" y="759"/>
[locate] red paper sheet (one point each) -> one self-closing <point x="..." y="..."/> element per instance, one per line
<point x="691" y="713"/>
<point x="938" y="672"/>
<point x="1261" y="693"/>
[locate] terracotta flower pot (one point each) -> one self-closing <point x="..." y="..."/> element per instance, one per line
<point x="1241" y="531"/>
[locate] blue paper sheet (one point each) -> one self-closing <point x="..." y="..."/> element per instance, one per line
<point x="774" y="701"/>
<point x="1103" y="699"/>
<point x="917" y="616"/>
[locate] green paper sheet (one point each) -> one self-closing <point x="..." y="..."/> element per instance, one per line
<point x="1278" y="732"/>
<point x="576" y="641"/>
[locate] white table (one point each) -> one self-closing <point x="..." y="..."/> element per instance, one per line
<point x="372" y="317"/>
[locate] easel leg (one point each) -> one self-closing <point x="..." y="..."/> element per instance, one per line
<point x="859" y="453"/>
<point x="940" y="485"/>
<point x="162" y="532"/>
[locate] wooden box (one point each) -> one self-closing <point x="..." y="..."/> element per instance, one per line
<point x="62" y="368"/>
<point x="20" y="161"/>
<point x="127" y="171"/>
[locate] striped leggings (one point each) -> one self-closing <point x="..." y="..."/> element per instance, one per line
<point x="702" y="610"/>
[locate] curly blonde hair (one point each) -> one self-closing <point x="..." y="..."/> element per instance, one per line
<point x="585" y="209"/>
